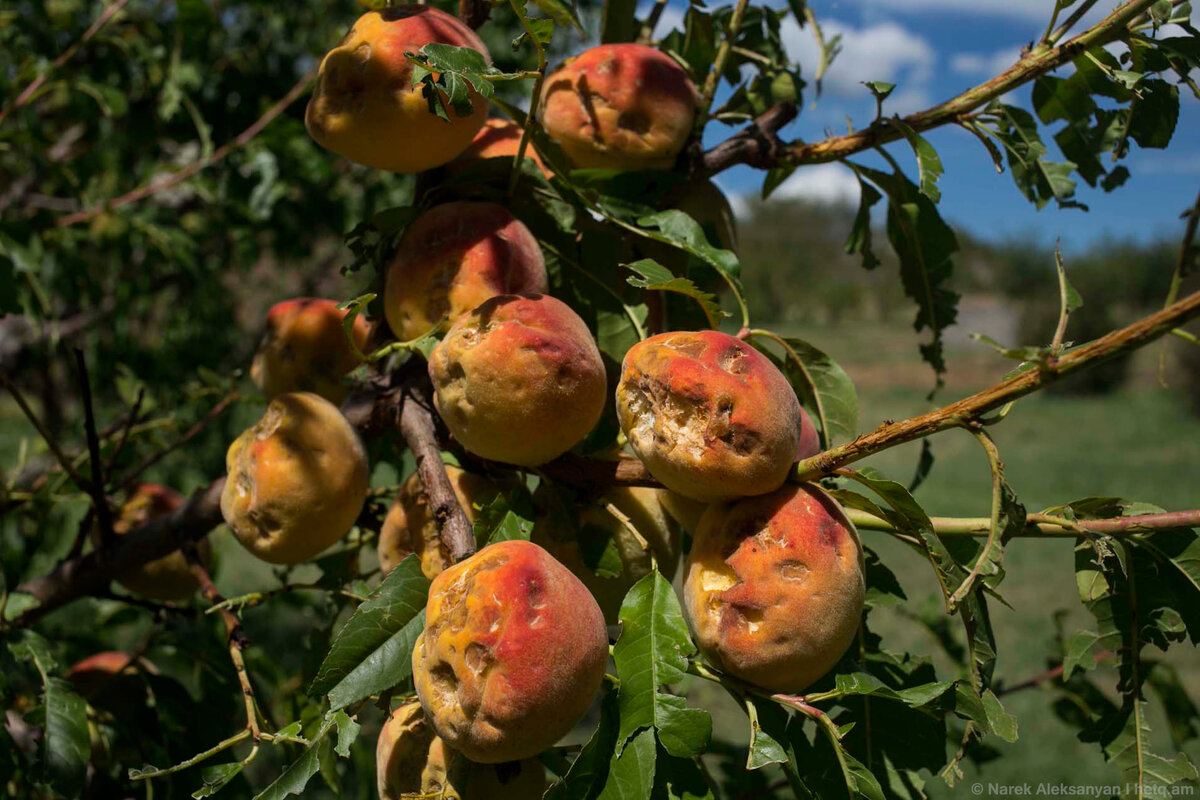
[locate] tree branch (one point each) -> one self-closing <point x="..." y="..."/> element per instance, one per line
<point x="416" y="426"/>
<point x="1036" y="62"/>
<point x="182" y="175"/>
<point x="756" y="145"/>
<point x="956" y="414"/>
<point x="97" y="483"/>
<point x="1043" y="525"/>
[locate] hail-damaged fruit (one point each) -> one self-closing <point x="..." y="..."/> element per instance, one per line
<point x="452" y="258"/>
<point x="410" y="759"/>
<point x="774" y="586"/>
<point x="512" y="653"/>
<point x="710" y="417"/>
<point x="498" y="138"/>
<point x="306" y="349"/>
<point x="296" y="481"/>
<point x="364" y="106"/>
<point x="619" y="106"/>
<point x="519" y="379"/>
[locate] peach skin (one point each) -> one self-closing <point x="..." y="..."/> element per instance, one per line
<point x="774" y="587"/>
<point x="451" y="259"/>
<point x="364" y="106"/>
<point x="619" y="106"/>
<point x="305" y="349"/>
<point x="168" y="578"/>
<point x="410" y="528"/>
<point x="512" y="654"/>
<point x="710" y="417"/>
<point x="496" y="139"/>
<point x="410" y="759"/>
<point x="297" y="480"/>
<point x="519" y="379"/>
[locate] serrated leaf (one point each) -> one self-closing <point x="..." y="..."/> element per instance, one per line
<point x="67" y="746"/>
<point x="822" y="386"/>
<point x="631" y="772"/>
<point x="562" y="13"/>
<point x="859" y="240"/>
<point x="768" y="732"/>
<point x="509" y="516"/>
<point x="382" y="669"/>
<point x="652" y="651"/>
<point x="397" y="600"/>
<point x="1155" y="114"/>
<point x="653" y="276"/>
<point x="347" y="730"/>
<point x="929" y="164"/>
<point x="299" y="772"/>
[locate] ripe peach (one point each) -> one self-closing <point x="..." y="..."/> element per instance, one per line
<point x="452" y="258"/>
<point x="410" y="528"/>
<point x="297" y="480"/>
<point x="305" y="349"/>
<point x="709" y="416"/>
<point x="411" y="759"/>
<point x="654" y="532"/>
<point x="364" y="105"/>
<point x="168" y="578"/>
<point x="619" y="106"/>
<point x="497" y="138"/>
<point x="512" y="654"/>
<point x="774" y="586"/>
<point x="519" y="379"/>
<point x="810" y="440"/>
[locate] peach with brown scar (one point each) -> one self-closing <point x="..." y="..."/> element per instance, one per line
<point x="512" y="654"/>
<point x="774" y="587"/>
<point x="710" y="417"/>
<point x="305" y="349"/>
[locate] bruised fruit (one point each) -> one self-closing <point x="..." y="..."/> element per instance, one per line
<point x="519" y="379"/>
<point x="365" y="107"/>
<point x="774" y="586"/>
<point x="411" y="759"/>
<point x="410" y="527"/>
<point x="305" y="349"/>
<point x="168" y="578"/>
<point x="609" y="551"/>
<point x="296" y="481"/>
<point x="497" y="138"/>
<point x="619" y="106"/>
<point x="710" y="417"/>
<point x="452" y="258"/>
<point x="512" y="654"/>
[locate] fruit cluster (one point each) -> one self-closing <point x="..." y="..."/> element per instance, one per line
<point x="515" y="642"/>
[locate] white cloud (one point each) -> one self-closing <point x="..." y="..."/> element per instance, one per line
<point x="827" y="184"/>
<point x="984" y="63"/>
<point x="883" y="52"/>
<point x="1028" y="9"/>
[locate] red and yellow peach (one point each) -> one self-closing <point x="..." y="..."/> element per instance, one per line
<point x="305" y="349"/>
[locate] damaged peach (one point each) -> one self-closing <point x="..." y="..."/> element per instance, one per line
<point x="306" y="349"/>
<point x="512" y="654"/>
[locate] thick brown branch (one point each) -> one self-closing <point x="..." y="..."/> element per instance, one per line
<point x="1038" y="61"/>
<point x="416" y="426"/>
<point x="182" y="175"/>
<point x="756" y="145"/>
<point x="970" y="408"/>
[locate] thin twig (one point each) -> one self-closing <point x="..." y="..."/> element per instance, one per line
<point x="647" y="32"/>
<point x="1182" y="267"/>
<point x="714" y="74"/>
<point x="131" y="477"/>
<point x="126" y="428"/>
<point x="1049" y="675"/>
<point x="534" y="99"/>
<point x="44" y="432"/>
<point x="416" y="426"/>
<point x="182" y="175"/>
<point x="1071" y="21"/>
<point x="97" y="483"/>
<point x="29" y="91"/>
<point x="1043" y="525"/>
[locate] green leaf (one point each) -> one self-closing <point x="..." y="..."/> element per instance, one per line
<point x="768" y="732"/>
<point x="880" y="89"/>
<point x="348" y="729"/>
<point x="373" y="625"/>
<point x="1155" y="114"/>
<point x="562" y="13"/>
<point x="859" y="240"/>
<point x="924" y="244"/>
<point x="631" y="772"/>
<point x="509" y="516"/>
<point x="67" y="745"/>
<point x="215" y="777"/>
<point x="1183" y="718"/>
<point x="618" y="21"/>
<point x="652" y="651"/>
<point x="929" y="164"/>
<point x="296" y="776"/>
<point x="652" y="276"/>
<point x="599" y="550"/>
<point x="1039" y="179"/>
<point x="382" y="669"/>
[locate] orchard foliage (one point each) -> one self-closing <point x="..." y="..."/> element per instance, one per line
<point x="161" y="189"/>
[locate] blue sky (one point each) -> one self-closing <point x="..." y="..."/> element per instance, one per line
<point x="932" y="50"/>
